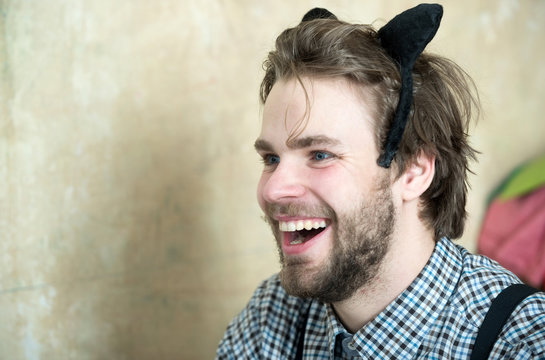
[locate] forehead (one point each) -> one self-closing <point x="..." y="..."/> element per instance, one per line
<point x="315" y="107"/>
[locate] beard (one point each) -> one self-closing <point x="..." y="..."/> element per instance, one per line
<point x="361" y="240"/>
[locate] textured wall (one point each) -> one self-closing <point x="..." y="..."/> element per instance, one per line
<point x="128" y="223"/>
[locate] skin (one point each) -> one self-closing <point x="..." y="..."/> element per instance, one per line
<point x="329" y="172"/>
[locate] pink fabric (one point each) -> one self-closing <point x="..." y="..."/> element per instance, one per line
<point x="513" y="234"/>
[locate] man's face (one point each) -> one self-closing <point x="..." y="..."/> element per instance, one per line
<point x="328" y="203"/>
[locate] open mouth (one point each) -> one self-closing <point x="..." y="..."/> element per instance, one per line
<point x="301" y="231"/>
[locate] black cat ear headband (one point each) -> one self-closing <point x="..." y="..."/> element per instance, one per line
<point x="404" y="38"/>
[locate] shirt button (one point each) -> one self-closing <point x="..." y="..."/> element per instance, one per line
<point x="351" y="346"/>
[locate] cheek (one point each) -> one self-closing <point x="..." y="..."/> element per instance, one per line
<point x="334" y="186"/>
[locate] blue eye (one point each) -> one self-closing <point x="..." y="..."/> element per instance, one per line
<point x="270" y="159"/>
<point x="321" y="155"/>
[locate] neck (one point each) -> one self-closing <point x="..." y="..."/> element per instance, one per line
<point x="405" y="260"/>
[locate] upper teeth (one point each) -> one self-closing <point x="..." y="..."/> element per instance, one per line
<point x="301" y="224"/>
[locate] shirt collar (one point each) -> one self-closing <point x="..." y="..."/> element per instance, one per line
<point x="398" y="330"/>
<point x="334" y="328"/>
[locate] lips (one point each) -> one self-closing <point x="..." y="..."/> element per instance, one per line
<point x="299" y="234"/>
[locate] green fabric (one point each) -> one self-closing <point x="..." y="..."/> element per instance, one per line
<point x="523" y="180"/>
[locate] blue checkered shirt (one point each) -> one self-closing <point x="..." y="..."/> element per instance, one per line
<point x="436" y="317"/>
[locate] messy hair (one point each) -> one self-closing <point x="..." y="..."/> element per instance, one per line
<point x="444" y="100"/>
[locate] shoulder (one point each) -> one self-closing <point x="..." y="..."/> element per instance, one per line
<point x="524" y="331"/>
<point x="265" y="326"/>
<point x="481" y="281"/>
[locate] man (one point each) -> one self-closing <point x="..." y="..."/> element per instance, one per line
<point x="364" y="183"/>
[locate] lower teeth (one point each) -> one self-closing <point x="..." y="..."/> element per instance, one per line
<point x="298" y="240"/>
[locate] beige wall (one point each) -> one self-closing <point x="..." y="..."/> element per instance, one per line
<point x="128" y="223"/>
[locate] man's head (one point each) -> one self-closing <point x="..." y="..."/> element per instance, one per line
<point x="330" y="93"/>
<point x="437" y="126"/>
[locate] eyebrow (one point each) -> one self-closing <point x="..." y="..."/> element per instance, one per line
<point x="298" y="143"/>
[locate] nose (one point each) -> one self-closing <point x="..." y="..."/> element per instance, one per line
<point x="285" y="183"/>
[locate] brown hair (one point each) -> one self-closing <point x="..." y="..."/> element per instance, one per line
<point x="443" y="99"/>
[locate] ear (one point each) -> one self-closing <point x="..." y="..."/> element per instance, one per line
<point x="417" y="177"/>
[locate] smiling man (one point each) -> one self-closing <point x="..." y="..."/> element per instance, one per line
<point x="365" y="159"/>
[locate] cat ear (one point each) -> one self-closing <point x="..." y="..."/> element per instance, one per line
<point x="318" y="13"/>
<point x="404" y="38"/>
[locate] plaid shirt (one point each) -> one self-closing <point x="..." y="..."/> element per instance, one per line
<point x="436" y="317"/>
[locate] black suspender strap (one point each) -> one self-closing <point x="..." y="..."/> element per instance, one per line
<point x="500" y="310"/>
<point x="301" y="334"/>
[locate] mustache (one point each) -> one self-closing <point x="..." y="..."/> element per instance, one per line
<point x="298" y="209"/>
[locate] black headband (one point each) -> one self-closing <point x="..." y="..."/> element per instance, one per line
<point x="404" y="38"/>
